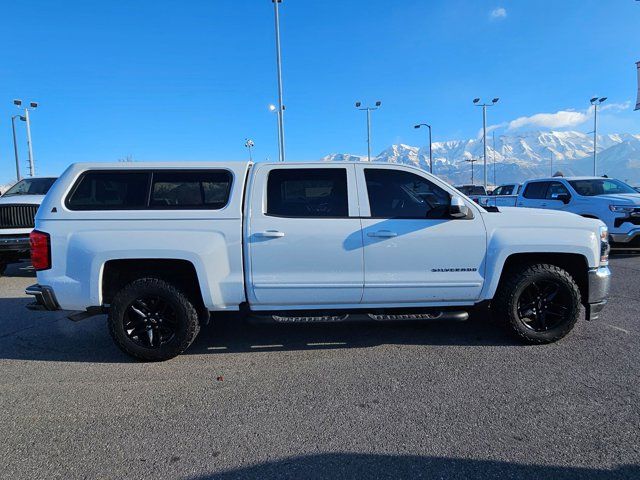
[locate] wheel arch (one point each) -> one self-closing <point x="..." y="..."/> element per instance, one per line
<point x="575" y="264"/>
<point x="181" y="273"/>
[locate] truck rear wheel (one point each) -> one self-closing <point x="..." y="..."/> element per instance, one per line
<point x="541" y="303"/>
<point x="152" y="320"/>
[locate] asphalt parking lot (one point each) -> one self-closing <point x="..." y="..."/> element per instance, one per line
<point x="322" y="401"/>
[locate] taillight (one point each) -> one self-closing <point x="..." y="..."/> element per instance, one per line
<point x="40" y="250"/>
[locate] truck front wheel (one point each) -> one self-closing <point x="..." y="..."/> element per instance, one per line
<point x="152" y="320"/>
<point x="541" y="303"/>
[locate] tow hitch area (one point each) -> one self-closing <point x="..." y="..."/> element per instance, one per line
<point x="45" y="299"/>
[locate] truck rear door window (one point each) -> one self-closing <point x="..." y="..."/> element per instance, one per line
<point x="110" y="191"/>
<point x="196" y="189"/>
<point x="536" y="190"/>
<point x="307" y="192"/>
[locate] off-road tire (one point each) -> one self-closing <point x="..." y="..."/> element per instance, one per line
<point x="186" y="315"/>
<point x="505" y="303"/>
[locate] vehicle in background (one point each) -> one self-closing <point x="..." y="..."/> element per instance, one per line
<point x="607" y="199"/>
<point x="506" y="190"/>
<point x="160" y="247"/>
<point x="474" y="192"/>
<point x="471" y="190"/>
<point x="18" y="207"/>
<point x="502" y="196"/>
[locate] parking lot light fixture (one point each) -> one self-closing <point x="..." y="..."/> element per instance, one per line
<point x="359" y="106"/>
<point x="430" y="144"/>
<point x="32" y="106"/>
<point x="476" y="102"/>
<point x="595" y="101"/>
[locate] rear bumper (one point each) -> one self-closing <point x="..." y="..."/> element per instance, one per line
<point x="18" y="243"/>
<point x="45" y="299"/>
<point x="599" y="285"/>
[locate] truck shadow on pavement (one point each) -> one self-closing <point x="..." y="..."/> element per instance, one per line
<point x="233" y="335"/>
<point x="332" y="466"/>
<point x="50" y="336"/>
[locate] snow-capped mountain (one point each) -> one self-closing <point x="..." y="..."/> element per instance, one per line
<point x="520" y="157"/>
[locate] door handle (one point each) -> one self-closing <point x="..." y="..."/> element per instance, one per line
<point x="382" y="234"/>
<point x="270" y="234"/>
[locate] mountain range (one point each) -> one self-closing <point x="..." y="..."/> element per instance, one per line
<point x="517" y="158"/>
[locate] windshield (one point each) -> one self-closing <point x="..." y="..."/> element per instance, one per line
<point x="31" y="186"/>
<point x="600" y="186"/>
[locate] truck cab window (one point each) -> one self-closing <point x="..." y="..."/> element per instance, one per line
<point x="400" y="194"/>
<point x="307" y="192"/>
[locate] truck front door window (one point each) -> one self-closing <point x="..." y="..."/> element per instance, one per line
<point x="399" y="194"/>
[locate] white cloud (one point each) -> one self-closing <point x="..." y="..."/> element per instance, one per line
<point x="498" y="13"/>
<point x="562" y="118"/>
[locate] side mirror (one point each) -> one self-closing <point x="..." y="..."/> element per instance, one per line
<point x="563" y="197"/>
<point x="458" y="209"/>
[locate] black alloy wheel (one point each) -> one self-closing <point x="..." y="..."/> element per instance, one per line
<point x="150" y="321"/>
<point x="539" y="302"/>
<point x="542" y="305"/>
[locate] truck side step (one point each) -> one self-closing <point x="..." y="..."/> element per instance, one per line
<point x="450" y="316"/>
<point x="455" y="316"/>
<point x="298" y="318"/>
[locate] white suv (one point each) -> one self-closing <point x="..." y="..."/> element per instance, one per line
<point x="18" y="207"/>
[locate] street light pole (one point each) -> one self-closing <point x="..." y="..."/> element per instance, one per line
<point x="484" y="131"/>
<point x="368" y="109"/>
<point x="15" y="144"/>
<point x="32" y="167"/>
<point x="32" y="105"/>
<point x="279" y="69"/>
<point x="430" y="144"/>
<point x="595" y="101"/>
<point x="471" y="161"/>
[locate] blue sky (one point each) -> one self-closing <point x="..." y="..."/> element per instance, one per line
<point x="190" y="80"/>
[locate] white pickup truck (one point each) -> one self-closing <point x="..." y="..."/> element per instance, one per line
<point x="163" y="247"/>
<point x="607" y="199"/>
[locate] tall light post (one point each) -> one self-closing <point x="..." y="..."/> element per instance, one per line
<point x="15" y="143"/>
<point x="471" y="161"/>
<point x="279" y="70"/>
<point x="368" y="109"/>
<point x="430" y="144"/>
<point x="32" y="106"/>
<point x="249" y="144"/>
<point x="484" y="130"/>
<point x="493" y="154"/>
<point x="595" y="101"/>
